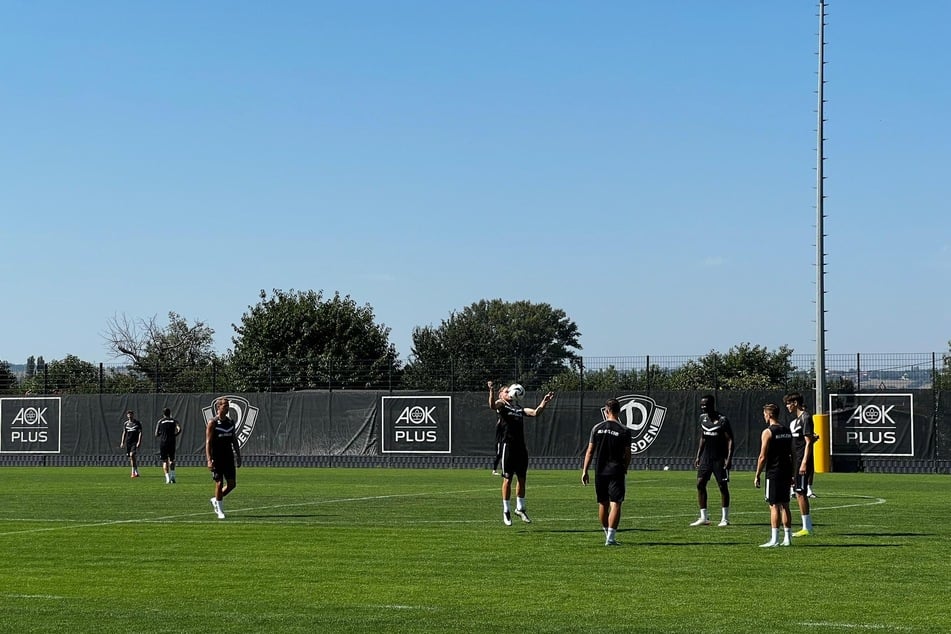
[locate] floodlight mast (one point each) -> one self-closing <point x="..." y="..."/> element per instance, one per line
<point x="820" y="229"/>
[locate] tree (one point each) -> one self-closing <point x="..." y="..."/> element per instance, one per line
<point x="8" y="380"/>
<point x="531" y="343"/>
<point x="299" y="340"/>
<point x="71" y="374"/>
<point x="743" y="367"/>
<point x="942" y="380"/>
<point x="175" y="358"/>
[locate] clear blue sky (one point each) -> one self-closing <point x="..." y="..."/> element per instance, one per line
<point x="648" y="167"/>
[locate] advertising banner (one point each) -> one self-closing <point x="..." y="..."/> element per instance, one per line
<point x="30" y="424"/>
<point x="872" y="424"/>
<point x="416" y="424"/>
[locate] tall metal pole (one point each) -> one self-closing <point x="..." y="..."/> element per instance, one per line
<point x="822" y="448"/>
<point x="820" y="229"/>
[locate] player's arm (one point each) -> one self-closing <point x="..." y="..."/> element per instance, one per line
<point x="700" y="446"/>
<point x="538" y="408"/>
<point x="492" y="401"/>
<point x="122" y="438"/>
<point x="627" y="457"/>
<point x="761" y="460"/>
<point x="158" y="424"/>
<point x="237" y="451"/>
<point x="138" y="443"/>
<point x="178" y="428"/>
<point x="208" y="435"/>
<point x="728" y="432"/>
<point x="587" y="463"/>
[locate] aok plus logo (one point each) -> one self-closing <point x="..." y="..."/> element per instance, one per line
<point x="416" y="424"/>
<point x="873" y="424"/>
<point x="644" y="417"/>
<point x="30" y="424"/>
<point x="240" y="410"/>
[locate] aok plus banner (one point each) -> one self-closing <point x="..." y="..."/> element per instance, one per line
<point x="872" y="424"/>
<point x="416" y="424"/>
<point x="30" y="424"/>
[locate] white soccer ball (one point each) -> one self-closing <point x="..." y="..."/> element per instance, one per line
<point x="516" y="390"/>
<point x="666" y="467"/>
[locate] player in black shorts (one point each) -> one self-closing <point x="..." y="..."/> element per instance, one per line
<point x="609" y="445"/>
<point x="223" y="454"/>
<point x="775" y="457"/>
<point x="714" y="457"/>
<point x="167" y="430"/>
<point x="131" y="440"/>
<point x="803" y="435"/>
<point x="514" y="462"/>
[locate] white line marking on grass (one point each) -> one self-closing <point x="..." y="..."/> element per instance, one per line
<point x="854" y="626"/>
<point x="33" y="596"/>
<point x="168" y="518"/>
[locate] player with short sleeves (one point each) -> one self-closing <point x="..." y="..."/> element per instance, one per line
<point x="167" y="430"/>
<point x="514" y="452"/>
<point x="803" y="435"/>
<point x="714" y="458"/>
<point x="131" y="440"/>
<point x="609" y="446"/>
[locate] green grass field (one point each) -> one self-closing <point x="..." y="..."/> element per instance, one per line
<point x="387" y="550"/>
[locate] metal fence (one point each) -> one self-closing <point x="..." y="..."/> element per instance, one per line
<point x="844" y="372"/>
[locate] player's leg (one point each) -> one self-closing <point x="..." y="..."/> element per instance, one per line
<point x="723" y="483"/>
<point x="703" y="476"/>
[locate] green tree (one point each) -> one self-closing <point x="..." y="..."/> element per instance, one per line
<point x="8" y="380"/>
<point x="942" y="380"/>
<point x="493" y="339"/>
<point x="177" y="357"/>
<point x="71" y="374"/>
<point x="300" y="340"/>
<point x="743" y="367"/>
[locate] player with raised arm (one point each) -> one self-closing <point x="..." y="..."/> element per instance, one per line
<point x="514" y="462"/>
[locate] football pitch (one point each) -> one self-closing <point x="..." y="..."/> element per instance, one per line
<point x="401" y="550"/>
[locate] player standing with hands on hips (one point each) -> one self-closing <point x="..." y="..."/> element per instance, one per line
<point x="514" y="462"/>
<point x="714" y="457"/>
<point x="610" y="447"/>
<point x="223" y="454"/>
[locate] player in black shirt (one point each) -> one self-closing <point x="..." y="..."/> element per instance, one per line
<point x="609" y="445"/>
<point x="804" y="436"/>
<point x="714" y="457"/>
<point x="514" y="462"/>
<point x="223" y="454"/>
<point x="166" y="430"/>
<point x="131" y="440"/>
<point x="775" y="457"/>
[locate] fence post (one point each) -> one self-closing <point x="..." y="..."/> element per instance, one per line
<point x="858" y="372"/>
<point x="101" y="380"/>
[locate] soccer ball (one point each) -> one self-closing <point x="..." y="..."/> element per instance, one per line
<point x="516" y="390"/>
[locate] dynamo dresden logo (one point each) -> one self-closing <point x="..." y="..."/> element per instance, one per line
<point x="244" y="415"/>
<point x="644" y="417"/>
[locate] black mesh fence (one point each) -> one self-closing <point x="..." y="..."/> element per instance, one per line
<point x="844" y="373"/>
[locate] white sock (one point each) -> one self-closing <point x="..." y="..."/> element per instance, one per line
<point x="172" y="474"/>
<point x="520" y="504"/>
<point x="612" y="534"/>
<point x="774" y="535"/>
<point x="807" y="522"/>
<point x="703" y="514"/>
<point x="726" y="513"/>
<point x="605" y="529"/>
<point x="787" y="535"/>
<point x="505" y="506"/>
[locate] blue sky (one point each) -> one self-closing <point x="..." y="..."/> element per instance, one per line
<point x="648" y="167"/>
